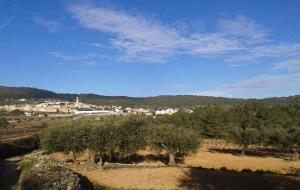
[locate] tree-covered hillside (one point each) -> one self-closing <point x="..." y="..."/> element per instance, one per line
<point x="11" y="94"/>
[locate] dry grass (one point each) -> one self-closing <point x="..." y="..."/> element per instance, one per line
<point x="23" y="126"/>
<point x="135" y="178"/>
<point x="192" y="175"/>
<point x="185" y="178"/>
<point x="208" y="156"/>
<point x="211" y="159"/>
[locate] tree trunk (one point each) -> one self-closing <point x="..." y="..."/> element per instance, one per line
<point x="73" y="156"/>
<point x="100" y="163"/>
<point x="92" y="156"/>
<point x="110" y="156"/>
<point x="295" y="154"/>
<point x="172" y="159"/>
<point x="244" y="149"/>
<point x="91" y="164"/>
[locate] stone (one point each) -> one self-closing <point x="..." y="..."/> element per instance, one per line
<point x="52" y="175"/>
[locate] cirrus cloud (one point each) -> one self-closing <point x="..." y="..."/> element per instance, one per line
<point x="260" y="86"/>
<point x="289" y="65"/>
<point x="51" y="25"/>
<point x="140" y="38"/>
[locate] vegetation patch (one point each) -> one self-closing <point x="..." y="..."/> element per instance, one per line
<point x="119" y="139"/>
<point x="18" y="147"/>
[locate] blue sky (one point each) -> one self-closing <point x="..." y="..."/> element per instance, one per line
<point x="144" y="48"/>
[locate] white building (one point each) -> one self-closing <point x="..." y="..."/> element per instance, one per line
<point x="168" y="111"/>
<point x="117" y="109"/>
<point x="95" y="112"/>
<point x="22" y="100"/>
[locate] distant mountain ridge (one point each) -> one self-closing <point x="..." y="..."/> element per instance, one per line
<point x="15" y="93"/>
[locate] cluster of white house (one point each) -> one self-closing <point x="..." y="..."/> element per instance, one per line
<point x="169" y="111"/>
<point x="78" y="108"/>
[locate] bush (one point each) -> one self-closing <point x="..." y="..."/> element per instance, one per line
<point x="18" y="147"/>
<point x="30" y="180"/>
<point x="26" y="166"/>
<point x="42" y="125"/>
<point x="3" y="123"/>
<point x="16" y="112"/>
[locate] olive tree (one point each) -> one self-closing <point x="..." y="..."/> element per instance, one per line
<point x="246" y="128"/>
<point x="294" y="141"/>
<point x="118" y="137"/>
<point x="103" y="142"/>
<point x="66" y="138"/>
<point x="244" y="137"/>
<point x="174" y="140"/>
<point x="278" y="137"/>
<point x="131" y="133"/>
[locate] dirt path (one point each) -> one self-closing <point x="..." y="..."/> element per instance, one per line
<point x="9" y="173"/>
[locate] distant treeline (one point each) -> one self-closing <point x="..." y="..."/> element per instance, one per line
<point x="12" y="94"/>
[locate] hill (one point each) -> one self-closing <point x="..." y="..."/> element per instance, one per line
<point x="12" y="94"/>
<point x="25" y="92"/>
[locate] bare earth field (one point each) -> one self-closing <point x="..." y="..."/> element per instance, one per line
<point x="22" y="127"/>
<point x="210" y="159"/>
<point x="199" y="171"/>
<point x="185" y="178"/>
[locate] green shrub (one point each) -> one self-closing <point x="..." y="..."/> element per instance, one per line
<point x="26" y="166"/>
<point x="3" y="123"/>
<point x="18" y="147"/>
<point x="30" y="180"/>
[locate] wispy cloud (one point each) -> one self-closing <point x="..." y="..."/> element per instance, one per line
<point x="241" y="26"/>
<point x="6" y="22"/>
<point x="209" y="44"/>
<point x="51" y="25"/>
<point x="234" y="65"/>
<point x="98" y="45"/>
<point x="234" y="39"/>
<point x="265" y="81"/>
<point x="283" y="50"/>
<point x="289" y="65"/>
<point x="138" y="38"/>
<point x="88" y="59"/>
<point x="259" y="86"/>
<point x="142" y="38"/>
<point x="135" y="35"/>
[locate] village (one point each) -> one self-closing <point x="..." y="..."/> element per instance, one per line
<point x="58" y="108"/>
